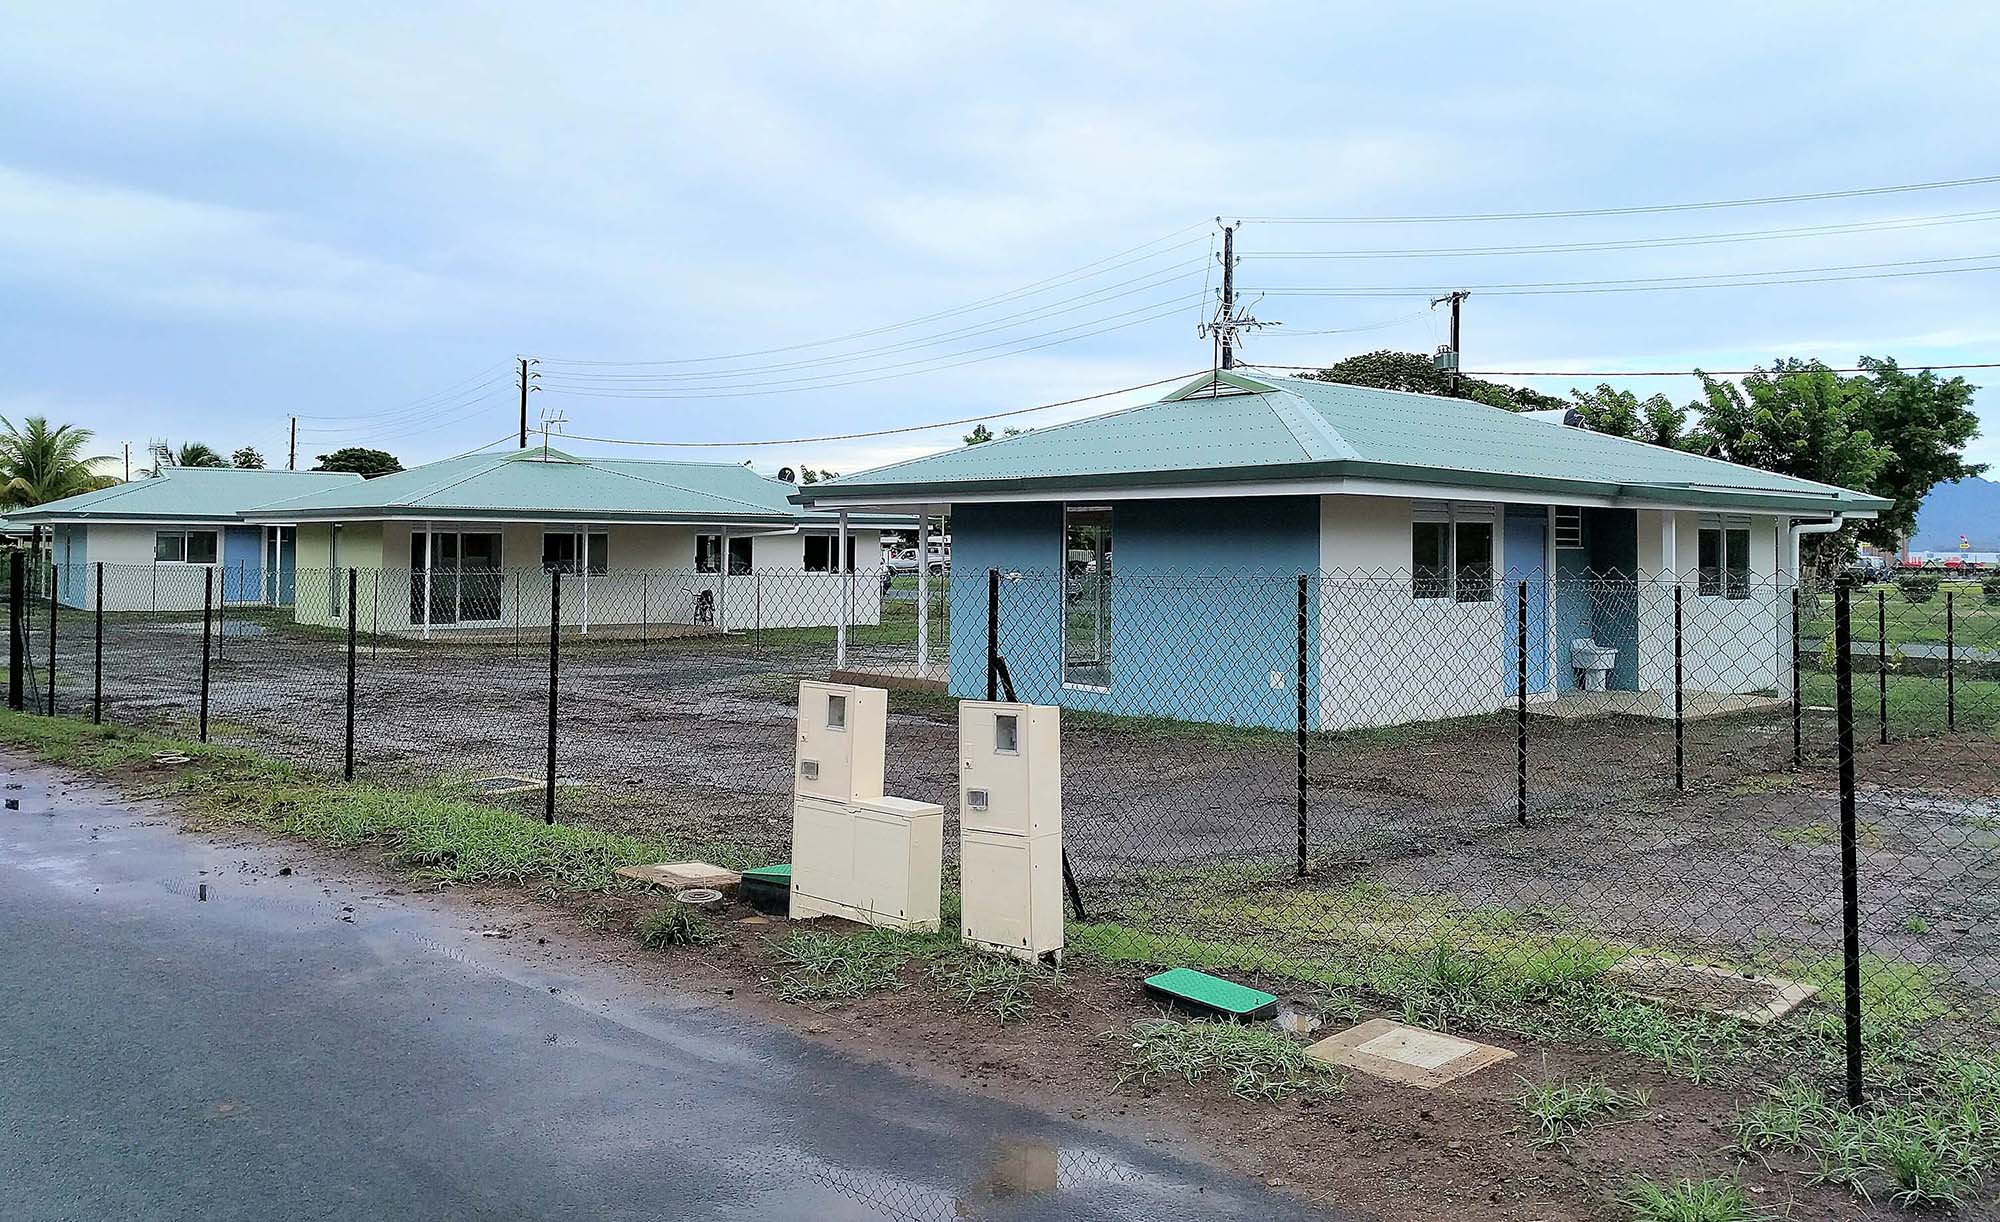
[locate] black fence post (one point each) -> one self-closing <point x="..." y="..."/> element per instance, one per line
<point x="17" y="637"/>
<point x="1521" y="703"/>
<point x="97" y="661"/>
<point x="353" y="640"/>
<point x="1950" y="668"/>
<point x="555" y="676"/>
<point x="993" y="634"/>
<point x="1304" y="583"/>
<point x="1798" y="694"/>
<point x="1680" y="700"/>
<point x="55" y="600"/>
<point x="207" y="631"/>
<point x="1850" y="881"/>
<point x="1882" y="663"/>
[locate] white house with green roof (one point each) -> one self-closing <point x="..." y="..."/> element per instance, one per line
<point x="1151" y="557"/>
<point x="469" y="544"/>
<point x="166" y="541"/>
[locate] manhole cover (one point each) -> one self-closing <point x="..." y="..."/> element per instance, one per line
<point x="1757" y="1000"/>
<point x="1410" y="1055"/>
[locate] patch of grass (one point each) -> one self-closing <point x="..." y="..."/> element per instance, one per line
<point x="1916" y="925"/>
<point x="675" y="925"/>
<point x="824" y="969"/>
<point x="1716" y="1199"/>
<point x="1000" y="986"/>
<point x="1810" y="834"/>
<point x="433" y="834"/>
<point x="1934" y="1145"/>
<point x="1562" y="1109"/>
<point x="1259" y="1063"/>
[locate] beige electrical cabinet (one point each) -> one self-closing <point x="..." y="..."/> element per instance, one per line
<point x="841" y="732"/>
<point x="855" y="853"/>
<point x="1010" y="828"/>
<point x="1010" y="768"/>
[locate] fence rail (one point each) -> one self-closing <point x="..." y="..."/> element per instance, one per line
<point x="1493" y="799"/>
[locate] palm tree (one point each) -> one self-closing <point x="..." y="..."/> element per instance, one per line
<point x="196" y="454"/>
<point x="41" y="464"/>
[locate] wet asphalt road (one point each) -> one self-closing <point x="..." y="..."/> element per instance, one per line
<point x="306" y="1048"/>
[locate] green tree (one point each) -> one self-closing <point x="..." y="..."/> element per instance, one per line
<point x="361" y="461"/>
<point x="1621" y="413"/>
<point x="40" y="464"/>
<point x="979" y="435"/>
<point x="1924" y="424"/>
<point x="1413" y="371"/>
<point x="809" y="476"/>
<point x="248" y="459"/>
<point x="198" y="454"/>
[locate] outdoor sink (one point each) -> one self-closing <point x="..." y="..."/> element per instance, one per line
<point x="1592" y="662"/>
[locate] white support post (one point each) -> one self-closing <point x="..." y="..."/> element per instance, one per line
<point x="722" y="587"/>
<point x="430" y="557"/>
<point x="846" y="580"/>
<point x="923" y="591"/>
<point x="583" y="578"/>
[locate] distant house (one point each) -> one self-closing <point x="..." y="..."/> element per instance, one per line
<point x="469" y="544"/>
<point x="1151" y="557"/>
<point x="159" y="537"/>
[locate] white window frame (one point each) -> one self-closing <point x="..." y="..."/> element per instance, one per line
<point x="1724" y="527"/>
<point x="1062" y="600"/>
<point x="184" y="536"/>
<point x="580" y="550"/>
<point x="1452" y="515"/>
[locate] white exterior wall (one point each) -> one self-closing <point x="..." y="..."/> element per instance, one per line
<point x="652" y="580"/>
<point x="1728" y="645"/>
<point x="1388" y="657"/>
<point x="133" y="580"/>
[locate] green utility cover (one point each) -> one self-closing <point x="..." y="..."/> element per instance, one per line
<point x="1212" y="994"/>
<point x="780" y="875"/>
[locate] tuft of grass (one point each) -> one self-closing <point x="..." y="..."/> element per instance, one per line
<point x="1259" y="1063"/>
<point x="1716" y="1199"/>
<point x="1001" y="986"/>
<point x="1562" y="1109"/>
<point x="824" y="969"/>
<point x="1916" y="925"/>
<point x="676" y="925"/>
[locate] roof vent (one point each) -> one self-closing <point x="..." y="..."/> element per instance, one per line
<point x="787" y="475"/>
<point x="1574" y="419"/>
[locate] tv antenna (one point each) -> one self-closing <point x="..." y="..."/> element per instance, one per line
<point x="552" y="422"/>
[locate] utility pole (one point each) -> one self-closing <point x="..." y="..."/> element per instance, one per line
<point x="527" y="379"/>
<point x="128" y="462"/>
<point x="1447" y="358"/>
<point x="292" y="451"/>
<point x="1228" y="321"/>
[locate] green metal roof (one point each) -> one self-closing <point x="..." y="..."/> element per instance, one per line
<point x="549" y="485"/>
<point x="184" y="494"/>
<point x="1235" y="427"/>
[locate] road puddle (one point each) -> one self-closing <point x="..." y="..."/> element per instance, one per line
<point x="1019" y="1173"/>
<point x="27" y="797"/>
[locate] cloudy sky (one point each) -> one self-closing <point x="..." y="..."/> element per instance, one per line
<point x="734" y="222"/>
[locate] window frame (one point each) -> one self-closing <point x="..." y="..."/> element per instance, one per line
<point x="1452" y="584"/>
<point x="1105" y="621"/>
<point x="598" y="553"/>
<point x="186" y="537"/>
<point x="1728" y="578"/>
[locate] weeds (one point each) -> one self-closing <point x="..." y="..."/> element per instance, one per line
<point x="825" y="969"/>
<point x="1717" y="1199"/>
<point x="1260" y="1063"/>
<point x="1000" y="986"/>
<point x="1562" y="1109"/>
<point x="676" y="925"/>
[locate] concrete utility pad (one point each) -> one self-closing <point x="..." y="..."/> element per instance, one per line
<point x="1757" y="1000"/>
<point x="1413" y="1056"/>
<point x="679" y="875"/>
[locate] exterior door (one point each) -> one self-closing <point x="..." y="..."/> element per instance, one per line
<point x="437" y="582"/>
<point x="479" y="576"/>
<point x="1525" y="554"/>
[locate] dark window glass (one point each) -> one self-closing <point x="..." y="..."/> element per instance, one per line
<point x="739" y="556"/>
<point x="819" y="554"/>
<point x="1430" y="562"/>
<point x="708" y="553"/>
<point x="201" y="547"/>
<point x="1736" y="566"/>
<point x="1475" y="562"/>
<point x="1708" y="563"/>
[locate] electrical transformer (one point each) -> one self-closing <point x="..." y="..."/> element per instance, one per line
<point x="1010" y="827"/>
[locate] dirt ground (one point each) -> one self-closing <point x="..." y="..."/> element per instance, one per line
<point x="1461" y="1153"/>
<point x="692" y="739"/>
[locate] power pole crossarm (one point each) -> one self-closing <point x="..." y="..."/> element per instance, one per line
<point x="1228" y="321"/>
<point x="1449" y="358"/>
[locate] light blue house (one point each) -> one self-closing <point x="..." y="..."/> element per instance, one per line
<point x="1151" y="559"/>
<point x="158" y="537"/>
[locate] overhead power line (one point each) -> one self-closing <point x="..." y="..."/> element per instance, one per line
<point x="1653" y="373"/>
<point x="889" y="432"/>
<point x="1632" y="210"/>
<point x="1803" y="275"/>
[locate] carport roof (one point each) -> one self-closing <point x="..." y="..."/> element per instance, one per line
<point x="1249" y="428"/>
<point x="538" y="484"/>
<point x="184" y="494"/>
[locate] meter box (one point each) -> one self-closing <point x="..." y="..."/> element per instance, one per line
<point x="1010" y="768"/>
<point x="878" y="861"/>
<point x="841" y="732"/>
<point x="1011" y="897"/>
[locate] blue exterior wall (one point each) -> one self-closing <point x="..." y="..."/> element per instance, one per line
<point x="1200" y="643"/>
<point x="71" y="555"/>
<point x="242" y="564"/>
<point x="1596" y="595"/>
<point x="1527" y="555"/>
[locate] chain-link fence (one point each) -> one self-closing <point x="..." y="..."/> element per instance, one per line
<point x="1630" y="808"/>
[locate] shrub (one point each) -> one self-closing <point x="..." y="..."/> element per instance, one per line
<point x="1918" y="587"/>
<point x="1989" y="586"/>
